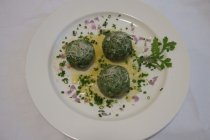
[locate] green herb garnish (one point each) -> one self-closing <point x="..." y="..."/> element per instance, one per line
<point x="91" y="104"/>
<point x="114" y="26"/>
<point x="158" y="59"/>
<point x="85" y="80"/>
<point x="74" y="33"/>
<point x="62" y="73"/>
<point x="58" y="56"/>
<point x="105" y="23"/>
<point x="98" y="100"/>
<point x="109" y="103"/>
<point x="62" y="64"/>
<point x="93" y="42"/>
<point x="65" y="80"/>
<point x="95" y="69"/>
<point x="143" y="75"/>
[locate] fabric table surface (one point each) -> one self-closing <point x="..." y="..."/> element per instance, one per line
<point x="19" y="20"/>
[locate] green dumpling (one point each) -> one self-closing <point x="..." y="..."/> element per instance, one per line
<point x="113" y="81"/>
<point x="80" y="53"/>
<point x="117" y="45"/>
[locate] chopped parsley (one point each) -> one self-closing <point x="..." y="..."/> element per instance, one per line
<point x="62" y="64"/>
<point x="65" y="80"/>
<point x="93" y="42"/>
<point x="98" y="100"/>
<point x="74" y="33"/>
<point x="58" y="56"/>
<point x="114" y="26"/>
<point x="134" y="81"/>
<point x="91" y="104"/>
<point x="105" y="23"/>
<point x="62" y="73"/>
<point x="141" y="81"/>
<point x="109" y="102"/>
<point x="95" y="69"/>
<point x="143" y="75"/>
<point x="85" y="80"/>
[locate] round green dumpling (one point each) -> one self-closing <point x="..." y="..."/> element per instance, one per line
<point x="113" y="81"/>
<point x="117" y="45"/>
<point x="80" y="53"/>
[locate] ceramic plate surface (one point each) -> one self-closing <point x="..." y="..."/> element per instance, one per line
<point x="138" y="120"/>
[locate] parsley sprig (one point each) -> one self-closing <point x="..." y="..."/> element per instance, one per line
<point x="157" y="59"/>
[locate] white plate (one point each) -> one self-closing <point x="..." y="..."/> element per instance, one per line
<point x="79" y="121"/>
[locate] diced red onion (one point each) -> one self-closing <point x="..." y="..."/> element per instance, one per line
<point x="93" y="26"/>
<point x="134" y="38"/>
<point x="69" y="91"/>
<point x="62" y="55"/>
<point x="86" y="100"/>
<point x="74" y="95"/>
<point x="77" y="100"/>
<point x="148" y="40"/>
<point x="141" y="38"/>
<point x="153" y="80"/>
<point x="72" y="89"/>
<point x="60" y="69"/>
<point x="146" y="49"/>
<point x="68" y="66"/>
<point x="86" y="21"/>
<point x="92" y="21"/>
<point x="135" y="98"/>
<point x="96" y="18"/>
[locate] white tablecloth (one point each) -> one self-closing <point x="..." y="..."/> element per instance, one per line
<point x="20" y="120"/>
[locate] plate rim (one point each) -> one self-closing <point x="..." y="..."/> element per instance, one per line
<point x="54" y="119"/>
